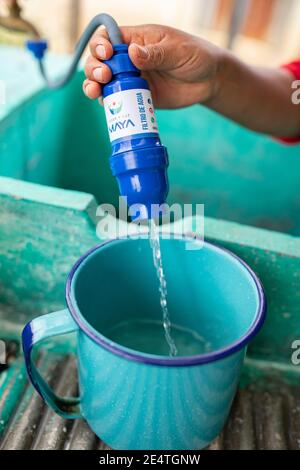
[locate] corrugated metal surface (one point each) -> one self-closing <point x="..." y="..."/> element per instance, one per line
<point x="261" y="418"/>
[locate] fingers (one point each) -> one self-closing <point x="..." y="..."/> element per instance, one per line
<point x="92" y="89"/>
<point x="149" y="57"/>
<point x="100" y="46"/>
<point x="143" y="34"/>
<point x="97" y="71"/>
<point x="154" y="56"/>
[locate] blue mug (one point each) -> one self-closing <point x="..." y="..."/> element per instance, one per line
<point x="133" y="394"/>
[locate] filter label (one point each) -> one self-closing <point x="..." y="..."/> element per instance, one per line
<point x="129" y="113"/>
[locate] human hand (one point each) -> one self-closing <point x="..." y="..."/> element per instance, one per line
<point x="181" y="69"/>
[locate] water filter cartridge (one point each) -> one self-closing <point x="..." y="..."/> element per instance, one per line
<point x="139" y="161"/>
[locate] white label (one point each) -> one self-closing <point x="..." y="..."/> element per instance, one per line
<point x="130" y="112"/>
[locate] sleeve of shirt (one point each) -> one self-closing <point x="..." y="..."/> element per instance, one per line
<point x="294" y="68"/>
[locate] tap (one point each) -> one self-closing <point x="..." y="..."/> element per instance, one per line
<point x="14" y="21"/>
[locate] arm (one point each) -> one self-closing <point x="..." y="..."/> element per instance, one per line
<point x="257" y="98"/>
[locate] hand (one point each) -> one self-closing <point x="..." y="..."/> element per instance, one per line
<point x="181" y="69"/>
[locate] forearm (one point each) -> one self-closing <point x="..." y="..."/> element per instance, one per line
<point x="257" y="98"/>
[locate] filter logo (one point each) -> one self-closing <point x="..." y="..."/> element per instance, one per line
<point x="121" y="125"/>
<point x="115" y="107"/>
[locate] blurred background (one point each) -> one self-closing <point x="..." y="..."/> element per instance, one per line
<point x="262" y="32"/>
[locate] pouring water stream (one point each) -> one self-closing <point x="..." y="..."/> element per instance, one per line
<point x="157" y="259"/>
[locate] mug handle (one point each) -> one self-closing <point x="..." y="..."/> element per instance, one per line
<point x="36" y="331"/>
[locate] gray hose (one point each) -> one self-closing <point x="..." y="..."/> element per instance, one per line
<point x="115" y="37"/>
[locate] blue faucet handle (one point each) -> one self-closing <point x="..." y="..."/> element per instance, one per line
<point x="38" y="47"/>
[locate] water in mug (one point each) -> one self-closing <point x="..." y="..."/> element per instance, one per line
<point x="148" y="337"/>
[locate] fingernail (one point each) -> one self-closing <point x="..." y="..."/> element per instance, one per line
<point x="98" y="74"/>
<point x="142" y="52"/>
<point x="87" y="90"/>
<point x="101" y="100"/>
<point x="100" y="51"/>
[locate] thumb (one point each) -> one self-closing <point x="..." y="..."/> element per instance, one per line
<point x="152" y="56"/>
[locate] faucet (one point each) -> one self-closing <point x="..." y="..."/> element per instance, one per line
<point x="14" y="21"/>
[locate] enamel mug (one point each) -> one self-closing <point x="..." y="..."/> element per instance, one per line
<point x="134" y="399"/>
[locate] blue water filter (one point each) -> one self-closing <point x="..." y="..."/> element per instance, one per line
<point x="139" y="161"/>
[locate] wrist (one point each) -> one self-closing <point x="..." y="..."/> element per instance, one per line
<point x="224" y="71"/>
